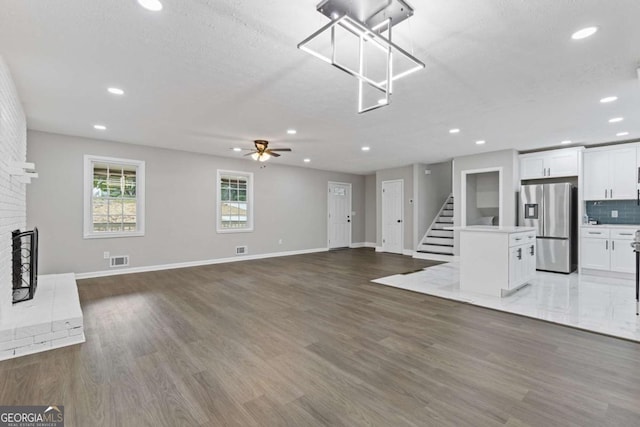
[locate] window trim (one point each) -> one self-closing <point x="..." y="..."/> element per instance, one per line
<point x="88" y="232"/>
<point x="249" y="176"/>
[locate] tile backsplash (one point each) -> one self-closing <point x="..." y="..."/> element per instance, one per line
<point x="628" y="211"/>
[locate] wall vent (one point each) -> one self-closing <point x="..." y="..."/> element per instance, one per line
<point x="119" y="261"/>
<point x="241" y="250"/>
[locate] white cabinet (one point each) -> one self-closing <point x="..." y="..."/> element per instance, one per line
<point x="522" y="264"/>
<point x="550" y="164"/>
<point x="608" y="249"/>
<point x="496" y="260"/>
<point x="595" y="254"/>
<point x="623" y="259"/>
<point x="610" y="173"/>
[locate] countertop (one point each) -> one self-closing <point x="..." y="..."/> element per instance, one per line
<point x="637" y="226"/>
<point x="495" y="229"/>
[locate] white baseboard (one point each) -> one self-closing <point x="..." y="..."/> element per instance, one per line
<point x="363" y="245"/>
<point x="407" y="252"/>
<point x="611" y="274"/>
<point x="105" y="273"/>
<point x="379" y="249"/>
<point x="436" y="257"/>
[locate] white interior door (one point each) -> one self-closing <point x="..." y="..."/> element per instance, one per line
<point x="339" y="215"/>
<point x="392" y="216"/>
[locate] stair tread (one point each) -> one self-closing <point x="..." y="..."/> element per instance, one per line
<point x="432" y="252"/>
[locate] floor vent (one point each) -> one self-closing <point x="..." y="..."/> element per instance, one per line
<point x="241" y="250"/>
<point x="119" y="261"/>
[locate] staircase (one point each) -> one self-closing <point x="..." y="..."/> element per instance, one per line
<point x="437" y="243"/>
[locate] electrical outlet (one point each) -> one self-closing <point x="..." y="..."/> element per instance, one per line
<point x="105" y="255"/>
<point x="614" y="214"/>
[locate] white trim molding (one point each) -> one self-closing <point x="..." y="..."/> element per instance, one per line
<point x="89" y="161"/>
<point x="249" y="201"/>
<point x="172" y="266"/>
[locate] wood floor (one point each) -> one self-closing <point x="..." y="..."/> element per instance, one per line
<point x="307" y="340"/>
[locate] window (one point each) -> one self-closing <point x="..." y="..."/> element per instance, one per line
<point x="235" y="201"/>
<point x="114" y="197"/>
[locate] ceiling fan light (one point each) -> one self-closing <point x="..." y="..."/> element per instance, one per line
<point x="255" y="156"/>
<point x="264" y="157"/>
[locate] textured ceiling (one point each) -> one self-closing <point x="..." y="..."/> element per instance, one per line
<point x="206" y="76"/>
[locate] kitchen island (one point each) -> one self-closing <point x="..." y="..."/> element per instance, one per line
<point x="496" y="260"/>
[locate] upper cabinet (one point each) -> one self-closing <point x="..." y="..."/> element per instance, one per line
<point x="610" y="173"/>
<point x="550" y="164"/>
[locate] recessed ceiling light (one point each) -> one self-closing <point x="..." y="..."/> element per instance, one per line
<point x="609" y="99"/>
<point x="307" y="160"/>
<point x="292" y="131"/>
<point x="584" y="33"/>
<point x="236" y="149"/>
<point x="366" y="148"/>
<point x="152" y="5"/>
<point x="622" y="133"/>
<point x="454" y="130"/>
<point x="100" y="127"/>
<point x="481" y="142"/>
<point x="115" y="91"/>
<point x="566" y="142"/>
<point x="616" y="120"/>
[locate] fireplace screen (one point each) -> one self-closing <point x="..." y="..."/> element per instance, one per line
<point x="25" y="264"/>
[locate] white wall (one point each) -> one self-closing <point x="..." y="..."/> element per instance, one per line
<point x="290" y="204"/>
<point x="508" y="161"/>
<point x="13" y="147"/>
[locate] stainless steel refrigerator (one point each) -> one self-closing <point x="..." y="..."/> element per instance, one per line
<point x="551" y="209"/>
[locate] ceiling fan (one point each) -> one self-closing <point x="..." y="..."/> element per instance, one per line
<point x="262" y="153"/>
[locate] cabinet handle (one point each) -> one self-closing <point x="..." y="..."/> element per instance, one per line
<point x="518" y="238"/>
<point x="533" y="251"/>
<point x="549" y="171"/>
<point x="613" y="245"/>
<point x="606" y="245"/>
<point x="626" y="234"/>
<point x="611" y="194"/>
<point x="595" y="232"/>
<point x="605" y="194"/>
<point x="638" y="203"/>
<point x="519" y="253"/>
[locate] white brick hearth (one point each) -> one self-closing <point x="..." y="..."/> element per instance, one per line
<point x="52" y="319"/>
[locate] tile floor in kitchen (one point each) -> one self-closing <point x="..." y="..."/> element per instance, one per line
<point x="600" y="304"/>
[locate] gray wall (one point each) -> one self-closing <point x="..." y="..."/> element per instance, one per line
<point x="405" y="173"/>
<point x="290" y="204"/>
<point x="431" y="191"/>
<point x="508" y="160"/>
<point x="370" y="209"/>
